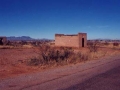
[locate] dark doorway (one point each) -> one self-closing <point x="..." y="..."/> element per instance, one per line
<point x="82" y="42"/>
<point x="1" y="43"/>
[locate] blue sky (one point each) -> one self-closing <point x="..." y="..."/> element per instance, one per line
<point x="44" y="18"/>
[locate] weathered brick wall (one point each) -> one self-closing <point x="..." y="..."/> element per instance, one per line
<point x="68" y="41"/>
<point x="71" y="40"/>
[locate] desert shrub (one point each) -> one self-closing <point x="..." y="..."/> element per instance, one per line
<point x="62" y="55"/>
<point x="115" y="44"/>
<point x="23" y="42"/>
<point x="33" y="61"/>
<point x="33" y="43"/>
<point x="78" y="57"/>
<point x="106" y="43"/>
<point x="8" y="43"/>
<point x="49" y="54"/>
<point x="81" y="56"/>
<point x="93" y="46"/>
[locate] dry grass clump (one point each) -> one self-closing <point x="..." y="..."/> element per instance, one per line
<point x="6" y="47"/>
<point x="61" y="56"/>
<point x="16" y="47"/>
<point x="78" y="57"/>
<point x="113" y="45"/>
<point x="93" y="46"/>
<point x="48" y="55"/>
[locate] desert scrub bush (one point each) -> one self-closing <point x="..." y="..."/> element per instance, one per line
<point x="106" y="43"/>
<point x="33" y="61"/>
<point x="49" y="54"/>
<point x="78" y="57"/>
<point x="93" y="46"/>
<point x="61" y="56"/>
<point x="82" y="56"/>
<point x="115" y="44"/>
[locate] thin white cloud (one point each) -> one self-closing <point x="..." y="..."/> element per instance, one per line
<point x="87" y="27"/>
<point x="103" y="26"/>
<point x="96" y="26"/>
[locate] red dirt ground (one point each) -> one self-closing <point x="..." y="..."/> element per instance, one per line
<point x="12" y="61"/>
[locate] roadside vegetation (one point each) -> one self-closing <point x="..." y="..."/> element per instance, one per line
<point x="26" y="57"/>
<point x="51" y="56"/>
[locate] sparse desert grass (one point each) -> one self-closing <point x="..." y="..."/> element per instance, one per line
<point x="111" y="45"/>
<point x="15" y="47"/>
<point x="63" y="56"/>
<point x="6" y="47"/>
<point x="16" y="61"/>
<point x="27" y="46"/>
<point x="93" y="46"/>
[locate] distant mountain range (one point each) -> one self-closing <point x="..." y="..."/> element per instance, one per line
<point x="19" y="38"/>
<point x="26" y="38"/>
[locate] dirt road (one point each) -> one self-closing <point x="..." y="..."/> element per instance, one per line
<point x="109" y="80"/>
<point x="60" y="78"/>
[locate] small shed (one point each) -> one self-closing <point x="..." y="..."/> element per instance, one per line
<point x="74" y="40"/>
